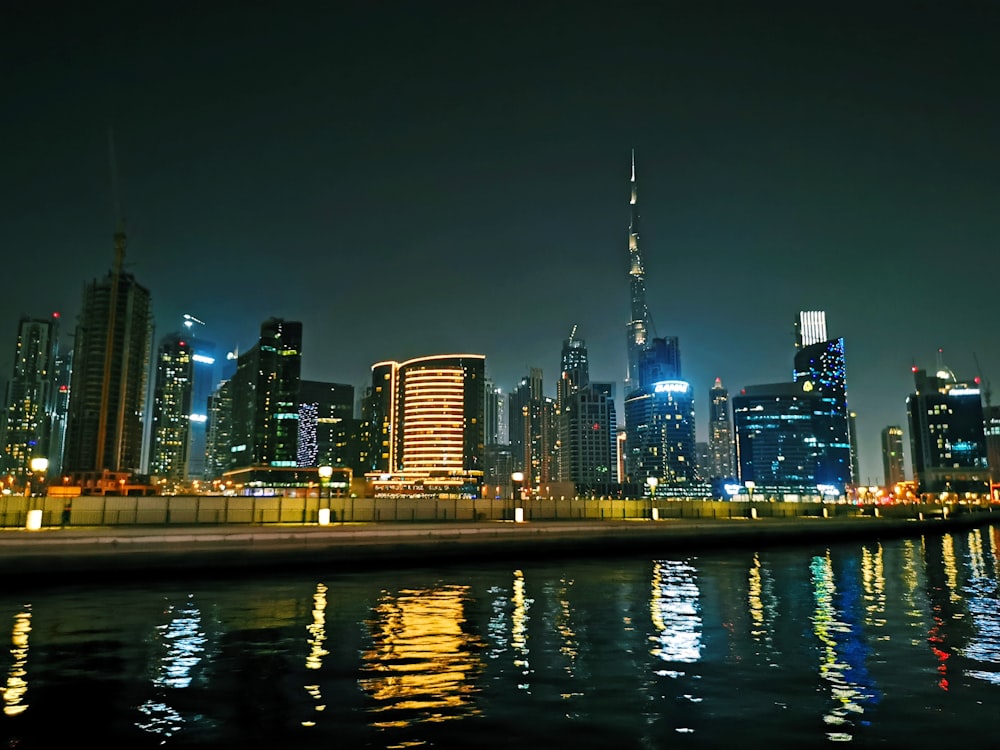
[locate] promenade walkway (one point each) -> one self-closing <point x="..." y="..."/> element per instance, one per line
<point x="61" y="555"/>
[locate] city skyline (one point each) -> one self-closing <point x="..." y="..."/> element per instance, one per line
<point x="411" y="182"/>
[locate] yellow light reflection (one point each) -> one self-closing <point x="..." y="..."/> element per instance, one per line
<point x="17" y="683"/>
<point x="873" y="581"/>
<point x="519" y="627"/>
<point x="423" y="664"/>
<point x="316" y="639"/>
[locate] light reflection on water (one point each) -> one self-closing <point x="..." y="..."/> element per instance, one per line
<point x="423" y="664"/>
<point x="875" y="643"/>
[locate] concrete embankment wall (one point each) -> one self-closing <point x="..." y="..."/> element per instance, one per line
<point x="208" y="510"/>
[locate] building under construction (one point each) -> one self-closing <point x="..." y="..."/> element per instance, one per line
<point x="104" y="431"/>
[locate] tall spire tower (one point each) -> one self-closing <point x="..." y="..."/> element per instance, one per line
<point x="640" y="325"/>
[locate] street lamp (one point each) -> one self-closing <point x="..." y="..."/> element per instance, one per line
<point x="325" y="472"/>
<point x="39" y="466"/>
<point x="517" y="479"/>
<point x="750" y="488"/>
<point x="652" y="482"/>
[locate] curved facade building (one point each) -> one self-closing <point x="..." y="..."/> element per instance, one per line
<point x="427" y="416"/>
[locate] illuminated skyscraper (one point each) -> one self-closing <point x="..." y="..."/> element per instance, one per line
<point x="810" y="328"/>
<point x="640" y="327"/>
<point x="947" y="436"/>
<point x="720" y="434"/>
<point x="427" y="418"/>
<point x="31" y="397"/>
<point x="326" y="416"/>
<point x="585" y="419"/>
<point x="265" y="398"/>
<point x="171" y="413"/>
<point x="111" y="353"/>
<point x="821" y="370"/>
<point x="892" y="456"/>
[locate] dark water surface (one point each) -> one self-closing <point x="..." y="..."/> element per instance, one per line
<point x="887" y="644"/>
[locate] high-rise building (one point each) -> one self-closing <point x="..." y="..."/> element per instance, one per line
<point x="111" y="357"/>
<point x="585" y="423"/>
<point x="219" y="438"/>
<point x="496" y="415"/>
<point x="775" y="440"/>
<point x="428" y="415"/>
<point x="720" y="434"/>
<point x="171" y="413"/>
<point x="821" y="370"/>
<point x="810" y="328"/>
<point x="640" y="326"/>
<point x="31" y="398"/>
<point x="947" y="435"/>
<point x="991" y="427"/>
<point x="206" y="367"/>
<point x="326" y="414"/>
<point x="265" y="398"/>
<point x="852" y="432"/>
<point x="523" y="402"/>
<point x="57" y="438"/>
<point x="893" y="466"/>
<point x="660" y="436"/>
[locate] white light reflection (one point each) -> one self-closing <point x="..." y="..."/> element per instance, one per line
<point x="983" y="602"/>
<point x="183" y="645"/>
<point x="675" y="613"/>
<point x="316" y="639"/>
<point x="17" y="683"/>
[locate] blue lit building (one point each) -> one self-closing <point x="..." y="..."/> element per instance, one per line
<point x="660" y="436"/>
<point x="776" y="445"/>
<point x="820" y="369"/>
<point x="947" y="437"/>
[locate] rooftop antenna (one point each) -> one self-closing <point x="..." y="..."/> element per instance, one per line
<point x="987" y="392"/>
<point x="572" y="333"/>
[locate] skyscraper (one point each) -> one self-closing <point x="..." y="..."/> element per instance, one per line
<point x="810" y="328"/>
<point x="820" y="368"/>
<point x="265" y="398"/>
<point x="947" y="436"/>
<point x="640" y="326"/>
<point x="892" y="456"/>
<point x="31" y="397"/>
<point x="111" y="353"/>
<point x="326" y="415"/>
<point x="720" y="434"/>
<point x="171" y="413"/>
<point x="427" y="416"/>
<point x="585" y="423"/>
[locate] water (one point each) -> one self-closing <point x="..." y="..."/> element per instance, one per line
<point x="878" y="644"/>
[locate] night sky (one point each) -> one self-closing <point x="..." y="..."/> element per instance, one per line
<point x="426" y="178"/>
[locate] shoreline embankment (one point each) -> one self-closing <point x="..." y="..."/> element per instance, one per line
<point x="60" y="556"/>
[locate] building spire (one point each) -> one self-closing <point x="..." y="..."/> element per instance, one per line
<point x="640" y="325"/>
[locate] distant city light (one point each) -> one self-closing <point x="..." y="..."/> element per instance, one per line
<point x="671" y="386"/>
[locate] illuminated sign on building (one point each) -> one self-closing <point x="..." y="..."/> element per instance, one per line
<point x="671" y="386"/>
